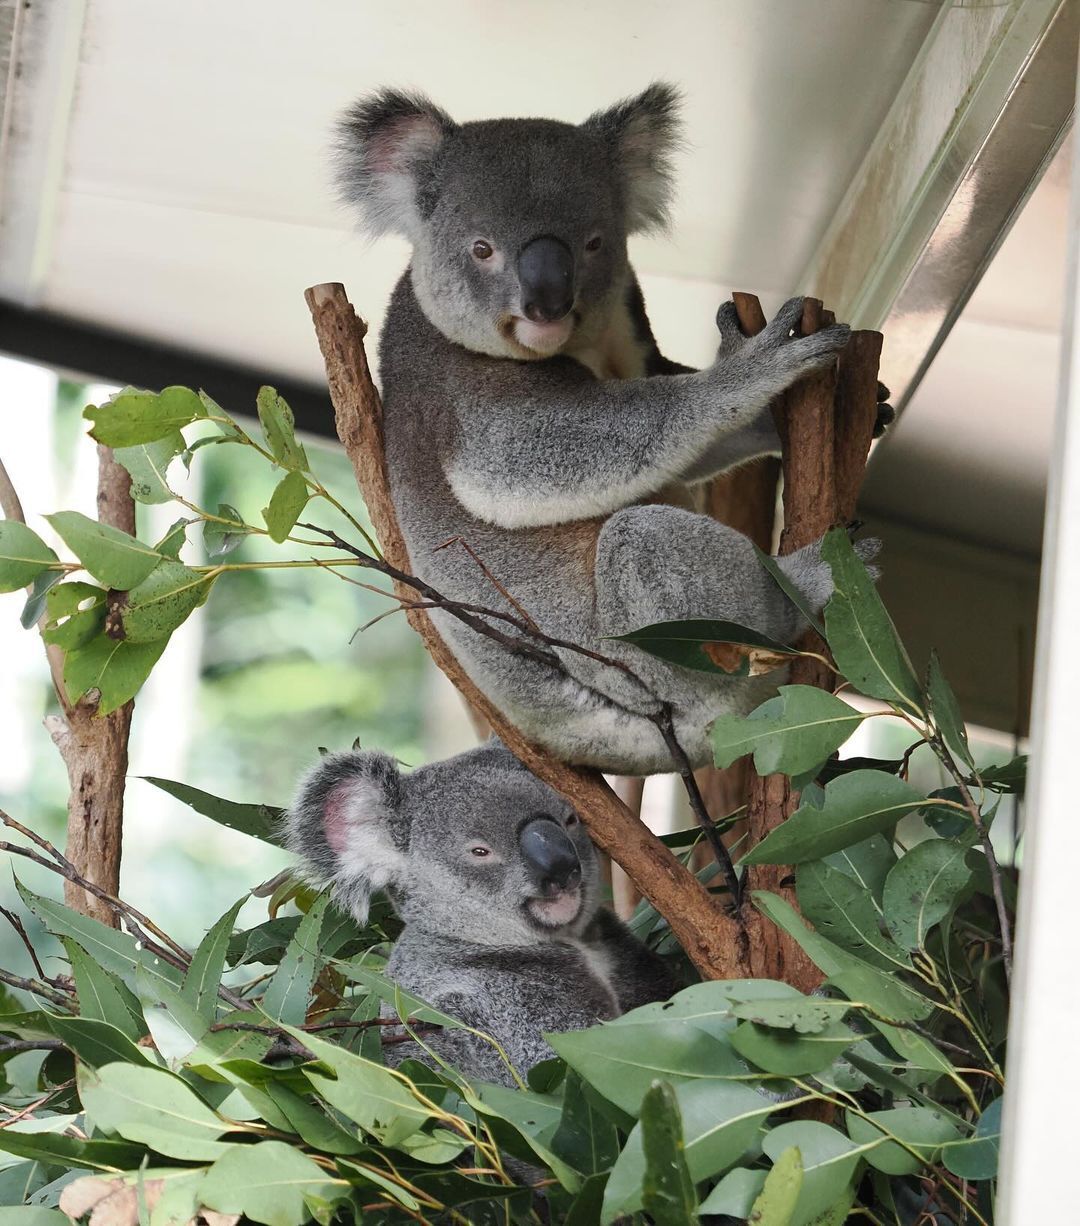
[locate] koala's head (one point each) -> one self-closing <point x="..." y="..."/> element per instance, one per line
<point x="518" y="226"/>
<point x="474" y="847"/>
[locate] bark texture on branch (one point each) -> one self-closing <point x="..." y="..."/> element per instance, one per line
<point x="95" y="747"/>
<point x="826" y="423"/>
<point x="710" y="936"/>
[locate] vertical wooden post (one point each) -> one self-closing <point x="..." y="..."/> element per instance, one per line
<point x="825" y="424"/>
<point x="95" y="747"/>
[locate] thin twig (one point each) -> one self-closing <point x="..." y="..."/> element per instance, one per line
<point x="697" y="805"/>
<point x="499" y="587"/>
<point x="34" y="986"/>
<point x="17" y="924"/>
<point x="17" y="1045"/>
<point x="165" y="947"/>
<point x="945" y="757"/>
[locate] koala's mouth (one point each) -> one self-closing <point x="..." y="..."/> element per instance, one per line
<point x="540" y="339"/>
<point x="557" y="911"/>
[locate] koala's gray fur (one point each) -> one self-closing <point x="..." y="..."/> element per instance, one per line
<point x="487" y="939"/>
<point x="537" y="437"/>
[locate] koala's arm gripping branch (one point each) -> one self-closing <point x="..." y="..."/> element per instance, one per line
<point x="712" y="938"/>
<point x="542" y="450"/>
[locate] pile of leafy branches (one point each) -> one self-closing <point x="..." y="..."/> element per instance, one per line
<point x="145" y="1083"/>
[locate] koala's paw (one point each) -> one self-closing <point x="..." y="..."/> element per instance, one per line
<point x="732" y="337"/>
<point x="812" y="575"/>
<point x="795" y="355"/>
<point x="886" y="414"/>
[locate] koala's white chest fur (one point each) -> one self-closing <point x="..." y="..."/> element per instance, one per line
<point x="599" y="967"/>
<point x="617" y="353"/>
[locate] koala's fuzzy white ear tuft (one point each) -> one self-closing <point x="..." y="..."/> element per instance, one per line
<point x="343" y="826"/>
<point x="386" y="147"/>
<point x="642" y="134"/>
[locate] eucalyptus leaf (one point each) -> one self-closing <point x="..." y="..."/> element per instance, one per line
<point x="866" y="863"/>
<point x="97" y="1043"/>
<point x="154" y="1108"/>
<point x="269" y="1182"/>
<point x="946" y="711"/>
<point x="804" y="1015"/>
<point x="977" y="1157"/>
<point x="364" y="1092"/>
<point x="114" y="558"/>
<point x="174" y="539"/>
<point x="792" y="733"/>
<point x="735" y="1194"/>
<point x="260" y="821"/>
<point x="668" y="1195"/>
<point x="855" y="806"/>
<point x="23" y="555"/>
<point x="844" y="912"/>
<point x="789" y="1053"/>
<point x="57" y="1150"/>
<point x="919" y="1129"/>
<point x="585" y="1137"/>
<point x="132" y="417"/>
<point x="35" y="599"/>
<point x="154" y="608"/>
<point x="115" y="668"/>
<point x="860" y="632"/>
<point x="75" y="613"/>
<point x="279" y="430"/>
<point x="288" y="500"/>
<point x="222" y="538"/>
<point x="287" y="993"/>
<point x="922" y="889"/>
<point x="203" y="977"/>
<point x="102" y="995"/>
<point x="114" y="951"/>
<point x="829" y="1164"/>
<point x="780" y="1193"/>
<point x="148" y="466"/>
<point x="721" y="1121"/>
<point x="709" y="646"/>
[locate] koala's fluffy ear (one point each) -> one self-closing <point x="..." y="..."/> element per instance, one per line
<point x="641" y="135"/>
<point x="345" y="828"/>
<point x="387" y="148"/>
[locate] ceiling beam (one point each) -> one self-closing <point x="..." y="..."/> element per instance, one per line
<point x="88" y="354"/>
<point x="43" y="67"/>
<point x="982" y="111"/>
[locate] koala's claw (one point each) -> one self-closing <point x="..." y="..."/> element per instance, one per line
<point x="886" y="415"/>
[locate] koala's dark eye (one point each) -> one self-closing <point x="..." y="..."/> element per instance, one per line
<point x="482" y="250"/>
<point x="594" y="243"/>
<point x="572" y="821"/>
<point x="479" y="851"/>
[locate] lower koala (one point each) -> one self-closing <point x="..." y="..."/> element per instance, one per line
<point x="496" y="881"/>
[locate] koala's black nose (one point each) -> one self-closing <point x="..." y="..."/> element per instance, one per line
<point x="546" y="275"/>
<point x="550" y="854"/>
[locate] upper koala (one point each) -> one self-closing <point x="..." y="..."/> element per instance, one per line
<point x="496" y="881"/>
<point x="530" y="413"/>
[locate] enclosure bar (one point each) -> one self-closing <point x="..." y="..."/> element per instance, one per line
<point x="1038" y="1157"/>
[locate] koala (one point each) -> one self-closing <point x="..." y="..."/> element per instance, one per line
<point x="530" y="414"/>
<point x="496" y="881"/>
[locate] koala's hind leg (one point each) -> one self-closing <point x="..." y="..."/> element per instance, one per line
<point x="660" y="563"/>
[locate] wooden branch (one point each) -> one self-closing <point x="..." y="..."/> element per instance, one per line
<point x="95" y="747"/>
<point x="825" y="423"/>
<point x="712" y="938"/>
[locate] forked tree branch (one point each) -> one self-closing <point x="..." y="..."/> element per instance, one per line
<point x="713" y="939"/>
